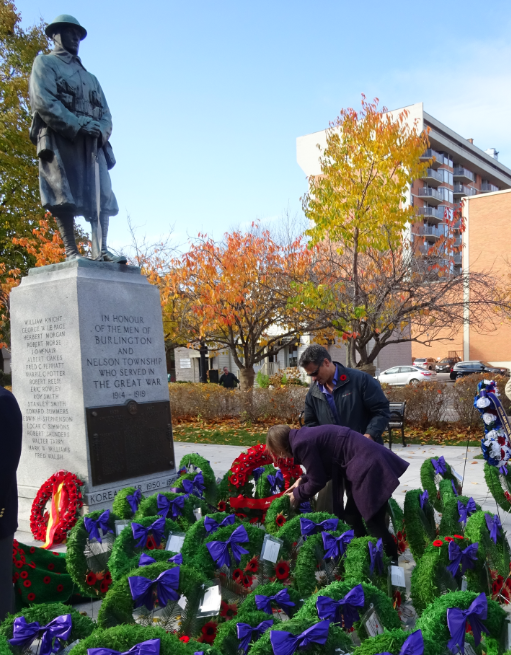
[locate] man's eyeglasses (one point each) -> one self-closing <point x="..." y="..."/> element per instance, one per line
<point x="314" y="374"/>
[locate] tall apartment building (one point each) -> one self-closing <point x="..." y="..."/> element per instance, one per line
<point x="459" y="169"/>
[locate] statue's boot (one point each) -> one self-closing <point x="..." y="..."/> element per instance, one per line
<point x="66" y="227"/>
<point x="105" y="253"/>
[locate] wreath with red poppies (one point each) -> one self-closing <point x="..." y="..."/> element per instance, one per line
<point x="72" y="503"/>
<point x="256" y="456"/>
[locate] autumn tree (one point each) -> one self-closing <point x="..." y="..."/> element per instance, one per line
<point x="235" y="295"/>
<point x="375" y="275"/>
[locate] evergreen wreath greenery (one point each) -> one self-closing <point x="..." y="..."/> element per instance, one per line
<point x="430" y="578"/>
<point x="433" y="621"/>
<point x="227" y="641"/>
<point x="397" y="516"/>
<point x="198" y="462"/>
<point x="309" y="560"/>
<point x="262" y="486"/>
<point x="420" y="523"/>
<point x="125" y="555"/>
<point x="76" y="561"/>
<point x="499" y="486"/>
<point x="358" y="561"/>
<point x="372" y="595"/>
<point x="120" y="506"/>
<point x="203" y="561"/>
<point x="449" y="523"/>
<point x="337" y="638"/>
<point x="446" y="491"/>
<point x="497" y="555"/>
<point x="149" y="507"/>
<point x="291" y="533"/>
<point x="83" y="626"/>
<point x="279" y="507"/>
<point x="5" y="647"/>
<point x="248" y="606"/>
<point x="392" y="641"/>
<point x="117" y="607"/>
<point x="428" y="481"/>
<point x="196" y="535"/>
<point x="227" y="490"/>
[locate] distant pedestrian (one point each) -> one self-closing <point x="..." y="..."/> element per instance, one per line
<point x="228" y="379"/>
<point x="11" y="429"/>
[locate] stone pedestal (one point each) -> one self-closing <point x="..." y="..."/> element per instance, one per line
<point x="89" y="373"/>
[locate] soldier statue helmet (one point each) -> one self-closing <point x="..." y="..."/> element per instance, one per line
<point x="71" y="127"/>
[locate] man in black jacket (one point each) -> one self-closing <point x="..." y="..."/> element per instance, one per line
<point x="342" y="396"/>
<point x="228" y="380"/>
<point x="10" y="429"/>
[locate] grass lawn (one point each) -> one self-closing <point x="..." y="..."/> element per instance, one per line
<point x="235" y="433"/>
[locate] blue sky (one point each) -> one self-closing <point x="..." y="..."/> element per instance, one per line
<point x="209" y="97"/>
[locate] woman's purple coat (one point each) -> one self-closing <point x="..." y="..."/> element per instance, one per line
<point x="371" y="470"/>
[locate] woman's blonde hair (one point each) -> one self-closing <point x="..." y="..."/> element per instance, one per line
<point x="277" y="440"/>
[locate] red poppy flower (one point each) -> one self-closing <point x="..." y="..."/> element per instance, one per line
<point x="47" y="579"/>
<point x="495" y="588"/>
<point x="16" y="576"/>
<point x="24" y="575"/>
<point x="240" y="515"/>
<point x="103" y="587"/>
<point x="222" y="506"/>
<point x="27" y="583"/>
<point x="438" y="542"/>
<point x="228" y="611"/>
<point x="60" y="587"/>
<point x="458" y="536"/>
<point x="282" y="570"/>
<point x="253" y="565"/>
<point x="399" y="535"/>
<point x="18" y="564"/>
<point x="237" y="575"/>
<point x="184" y="638"/>
<point x="150" y="543"/>
<point x="280" y="520"/>
<point x="448" y="539"/>
<point x="91" y="578"/>
<point x="397" y="598"/>
<point x="209" y="632"/>
<point x="342" y="377"/>
<point x="31" y="596"/>
<point x="247" y="580"/>
<point x="108" y="577"/>
<point x="32" y="565"/>
<point x="54" y="552"/>
<point x="32" y="550"/>
<point x="51" y="567"/>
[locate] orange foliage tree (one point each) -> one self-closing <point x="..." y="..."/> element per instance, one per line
<point x="235" y="295"/>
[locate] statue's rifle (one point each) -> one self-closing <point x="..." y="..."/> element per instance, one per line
<point x="95" y="195"/>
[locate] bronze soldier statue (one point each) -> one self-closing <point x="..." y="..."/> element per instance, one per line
<point x="71" y="125"/>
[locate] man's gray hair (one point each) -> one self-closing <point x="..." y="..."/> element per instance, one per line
<point x="314" y="354"/>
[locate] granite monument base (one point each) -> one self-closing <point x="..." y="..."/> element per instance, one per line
<point x="89" y="373"/>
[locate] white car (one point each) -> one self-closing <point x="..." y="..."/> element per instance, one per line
<point x="425" y="362"/>
<point x="406" y="375"/>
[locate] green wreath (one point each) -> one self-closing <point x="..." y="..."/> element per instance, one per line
<point x="358" y="562"/>
<point x="124" y="637"/>
<point x="226" y="490"/>
<point x="76" y="561"/>
<point x="372" y="596"/>
<point x="499" y="486"/>
<point x="5" y="648"/>
<point x="120" y="506"/>
<point x="196" y="535"/>
<point x="428" y="482"/>
<point x="227" y="641"/>
<point x="433" y="621"/>
<point x="446" y="491"/>
<point x="449" y="523"/>
<point x="397" y="516"/>
<point x="291" y="533"/>
<point x="281" y="507"/>
<point x="248" y="606"/>
<point x="125" y="556"/>
<point x="199" y="462"/>
<point x="337" y="638"/>
<point x="204" y="562"/>
<point x="392" y="641"/>
<point x="149" y="507"/>
<point x="83" y="626"/>
<point x="117" y="607"/>
<point x="497" y="555"/>
<point x="430" y="579"/>
<point x="420" y="523"/>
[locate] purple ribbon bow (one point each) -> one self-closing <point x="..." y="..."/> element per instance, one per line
<point x="376" y="555"/>
<point x="286" y="643"/>
<point x="257" y="474"/>
<point x="211" y="526"/>
<point x="493" y="524"/>
<point x="305" y="508"/>
<point x="276" y="482"/>
<point x="176" y="559"/>
<point x="24" y="633"/>
<point x="466" y="510"/>
<point x="466" y="557"/>
<point x="92" y="526"/>
<point x="336" y="546"/>
<point x="167" y="584"/>
<point x="145" y="560"/>
<point x="134" y="500"/>
<point x="281" y="598"/>
<point x="141" y="533"/>
<point x="308" y="527"/>
<point x="246" y="632"/>
<point x="454" y="487"/>
<point x="413" y="645"/>
<point x="503" y="469"/>
<point x="423" y="499"/>
<point x="457" y="620"/>
<point x="439" y="465"/>
<point x="195" y="486"/>
<point x="219" y="550"/>
<point x="165" y="505"/>
<point x="346" y="608"/>
<point x="149" y="647"/>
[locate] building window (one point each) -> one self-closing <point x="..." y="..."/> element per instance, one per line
<point x="293" y="354"/>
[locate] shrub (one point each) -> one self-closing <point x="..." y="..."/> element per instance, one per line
<point x="263" y="380"/>
<point x="426" y="402"/>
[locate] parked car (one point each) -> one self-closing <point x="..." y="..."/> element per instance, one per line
<point x="461" y="369"/>
<point x="425" y="362"/>
<point x="406" y="375"/>
<point x="445" y="364"/>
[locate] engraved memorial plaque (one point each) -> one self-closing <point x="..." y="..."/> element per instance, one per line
<point x="128" y="441"/>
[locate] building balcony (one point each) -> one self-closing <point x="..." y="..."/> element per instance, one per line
<point x="430" y="232"/>
<point x="433" y="196"/>
<point x="462" y="190"/>
<point x="486" y="187"/>
<point x="433" y="177"/>
<point x="431" y="213"/>
<point x="433" y="154"/>
<point x="463" y="174"/>
<point x="457" y="225"/>
<point x="457" y="259"/>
